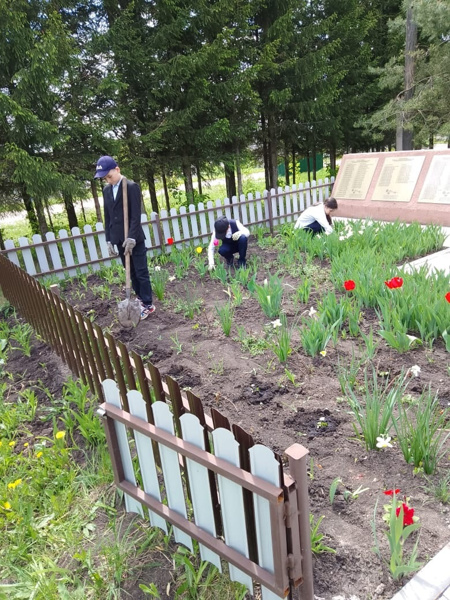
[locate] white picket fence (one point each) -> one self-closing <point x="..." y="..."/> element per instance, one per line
<point x="87" y="249"/>
<point x="189" y="450"/>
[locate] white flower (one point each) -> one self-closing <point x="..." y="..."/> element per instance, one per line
<point x="265" y="282"/>
<point x="323" y="352"/>
<point x="415" y="370"/>
<point x="172" y="278"/>
<point x="157" y="268"/>
<point x="383" y="441"/>
<point x="312" y="311"/>
<point x="276" y="323"/>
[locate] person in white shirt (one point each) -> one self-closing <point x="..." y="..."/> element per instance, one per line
<point x="234" y="238"/>
<point x="317" y="218"/>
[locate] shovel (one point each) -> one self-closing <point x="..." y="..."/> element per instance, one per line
<point x="128" y="311"/>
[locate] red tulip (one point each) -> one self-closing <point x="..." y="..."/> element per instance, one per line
<point x="349" y="285"/>
<point x="395" y="282"/>
<point x="408" y="514"/>
<point x="170" y="241"/>
<point x="447" y="296"/>
<point x="391" y="492"/>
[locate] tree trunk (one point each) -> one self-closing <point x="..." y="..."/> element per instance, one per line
<point x="265" y="152"/>
<point x="49" y="214"/>
<point x="294" y="166"/>
<point x="333" y="160"/>
<point x="239" y="172"/>
<point x="152" y="191"/>
<point x="405" y="136"/>
<point x="82" y="210"/>
<point x="188" y="185"/>
<point x="431" y="142"/>
<point x="43" y="227"/>
<point x="314" y="160"/>
<point x="308" y="167"/>
<point x="31" y="213"/>
<point x="286" y="167"/>
<point x="70" y="210"/>
<point x="230" y="180"/>
<point x="98" y="212"/>
<point x="166" y="191"/>
<point x="199" y="179"/>
<point x="273" y="154"/>
<point x="2" y="241"/>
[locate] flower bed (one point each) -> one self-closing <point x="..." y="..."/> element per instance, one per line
<point x="324" y="341"/>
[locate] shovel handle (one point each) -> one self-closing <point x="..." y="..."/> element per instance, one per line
<point x="127" y="276"/>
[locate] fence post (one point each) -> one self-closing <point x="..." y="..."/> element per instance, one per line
<point x="297" y="456"/>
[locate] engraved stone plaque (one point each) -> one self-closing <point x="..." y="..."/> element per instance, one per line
<point x="436" y="187"/>
<point x="355" y="176"/>
<point x="398" y="178"/>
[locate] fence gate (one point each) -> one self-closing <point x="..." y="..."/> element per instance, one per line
<point x="257" y="520"/>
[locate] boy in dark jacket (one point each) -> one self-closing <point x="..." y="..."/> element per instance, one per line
<point x="134" y="244"/>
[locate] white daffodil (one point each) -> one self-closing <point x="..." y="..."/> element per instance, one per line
<point x="276" y="323"/>
<point x="384" y="441"/>
<point x="172" y="278"/>
<point x="157" y="268"/>
<point x="312" y="311"/>
<point x="323" y="352"/>
<point x="415" y="370"/>
<point x="265" y="282"/>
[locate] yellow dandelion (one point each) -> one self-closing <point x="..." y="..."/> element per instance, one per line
<point x="26" y="445"/>
<point x="199" y="249"/>
<point x="39" y="454"/>
<point x="60" y="435"/>
<point x="6" y="505"/>
<point x="1" y="443"/>
<point x="14" y="484"/>
<point x="12" y="444"/>
<point x="323" y="352"/>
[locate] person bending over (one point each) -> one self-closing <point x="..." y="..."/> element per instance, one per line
<point x="317" y="218"/>
<point x="234" y="237"/>
<point x="134" y="244"/>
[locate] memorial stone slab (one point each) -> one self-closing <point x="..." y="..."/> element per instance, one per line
<point x="409" y="186"/>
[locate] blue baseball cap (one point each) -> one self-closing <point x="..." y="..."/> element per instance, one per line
<point x="104" y="166"/>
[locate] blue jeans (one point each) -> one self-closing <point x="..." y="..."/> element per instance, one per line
<point x="229" y="248"/>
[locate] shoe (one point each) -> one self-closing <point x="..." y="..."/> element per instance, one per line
<point x="242" y="264"/>
<point x="147" y="310"/>
<point x="230" y="263"/>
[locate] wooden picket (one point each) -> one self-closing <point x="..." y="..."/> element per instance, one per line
<point x="86" y="250"/>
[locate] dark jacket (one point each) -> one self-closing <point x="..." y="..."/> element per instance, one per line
<point x="113" y="209"/>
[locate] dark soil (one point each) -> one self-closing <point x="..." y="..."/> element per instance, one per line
<point x="255" y="393"/>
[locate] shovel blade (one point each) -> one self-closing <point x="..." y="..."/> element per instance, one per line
<point x="129" y="312"/>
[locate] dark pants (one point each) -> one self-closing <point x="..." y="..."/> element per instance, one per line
<point x="140" y="278"/>
<point x="314" y="227"/>
<point x="229" y="248"/>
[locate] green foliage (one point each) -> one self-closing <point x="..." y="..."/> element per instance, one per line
<point x="225" y="314"/>
<point x="280" y="343"/>
<point x="397" y="534"/>
<point x="159" y="280"/>
<point x="373" y="413"/>
<point x="317" y="545"/>
<point x="21" y="333"/>
<point x="315" y="335"/>
<point x="421" y="432"/>
<point x="269" y="296"/>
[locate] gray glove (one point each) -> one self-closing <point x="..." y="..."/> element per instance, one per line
<point x="112" y="253"/>
<point x="128" y="246"/>
<point x="236" y="236"/>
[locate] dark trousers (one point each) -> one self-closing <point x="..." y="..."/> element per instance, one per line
<point x="314" y="227"/>
<point x="140" y="278"/>
<point x="229" y="248"/>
